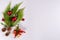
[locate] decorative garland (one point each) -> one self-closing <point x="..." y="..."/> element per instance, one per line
<point x="11" y="18"/>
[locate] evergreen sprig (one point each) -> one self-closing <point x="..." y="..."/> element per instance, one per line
<point x="15" y="11"/>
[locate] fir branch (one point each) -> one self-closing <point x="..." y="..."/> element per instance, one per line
<point x="20" y="16"/>
<point x="6" y="17"/>
<point x="15" y="8"/>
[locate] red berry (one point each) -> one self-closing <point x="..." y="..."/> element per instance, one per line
<point x="14" y="19"/>
<point x="3" y="19"/>
<point x="9" y="13"/>
<point x="23" y="19"/>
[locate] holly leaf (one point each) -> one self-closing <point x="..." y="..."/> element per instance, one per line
<point x="15" y="8"/>
<point x="20" y="16"/>
<point x="6" y="17"/>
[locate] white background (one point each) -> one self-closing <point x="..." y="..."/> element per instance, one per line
<point x="42" y="19"/>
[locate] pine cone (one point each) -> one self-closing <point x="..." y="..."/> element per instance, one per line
<point x="9" y="29"/>
<point x="7" y="34"/>
<point x="3" y="29"/>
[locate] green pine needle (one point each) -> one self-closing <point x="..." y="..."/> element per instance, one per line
<point x="6" y="17"/>
<point x="15" y="8"/>
<point x="20" y="16"/>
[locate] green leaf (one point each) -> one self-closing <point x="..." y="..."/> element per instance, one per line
<point x="7" y="8"/>
<point x="6" y="17"/>
<point x="20" y="16"/>
<point x="4" y="24"/>
<point x="15" y="8"/>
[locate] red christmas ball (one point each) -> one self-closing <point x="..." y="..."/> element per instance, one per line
<point x="14" y="19"/>
<point x="3" y="19"/>
<point x="23" y="19"/>
<point x="9" y="13"/>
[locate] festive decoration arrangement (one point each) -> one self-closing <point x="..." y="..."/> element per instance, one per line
<point x="11" y="18"/>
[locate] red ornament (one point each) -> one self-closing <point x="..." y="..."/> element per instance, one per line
<point x="14" y="19"/>
<point x="23" y="19"/>
<point x="9" y="13"/>
<point x="3" y="19"/>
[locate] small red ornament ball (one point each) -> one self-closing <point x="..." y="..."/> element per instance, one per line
<point x="14" y="19"/>
<point x="3" y="19"/>
<point x="9" y="13"/>
<point x="23" y="19"/>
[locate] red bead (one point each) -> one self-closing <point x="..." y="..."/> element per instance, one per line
<point x="9" y="13"/>
<point x="3" y="19"/>
<point x="23" y="19"/>
<point x="14" y="19"/>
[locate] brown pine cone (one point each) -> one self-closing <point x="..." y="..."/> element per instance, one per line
<point x="9" y="29"/>
<point x="3" y="29"/>
<point x="7" y="34"/>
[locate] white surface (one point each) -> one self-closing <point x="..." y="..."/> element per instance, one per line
<point x="42" y="19"/>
